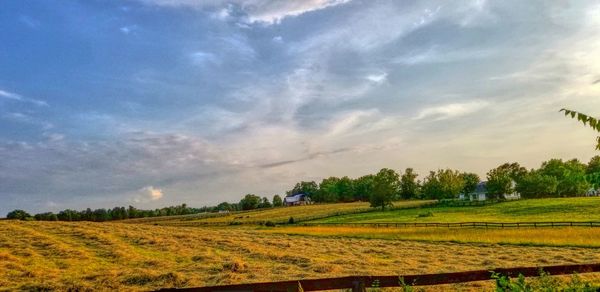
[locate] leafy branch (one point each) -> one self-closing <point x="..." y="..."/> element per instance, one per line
<point x="586" y="120"/>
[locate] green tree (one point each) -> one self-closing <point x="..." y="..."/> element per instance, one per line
<point x="225" y="206"/>
<point x="328" y="190"/>
<point x="264" y="203"/>
<point x="503" y="179"/>
<point x="443" y="184"/>
<point x="363" y="187"/>
<point x="277" y="201"/>
<point x="594" y="165"/>
<point x="471" y="180"/>
<point x="586" y="120"/>
<point x="537" y="185"/>
<point x="409" y="186"/>
<point x="571" y="176"/>
<point x="386" y="186"/>
<point x="308" y="188"/>
<point x="451" y="183"/>
<point x="48" y="216"/>
<point x="250" y="202"/>
<point x="345" y="189"/>
<point x="18" y="214"/>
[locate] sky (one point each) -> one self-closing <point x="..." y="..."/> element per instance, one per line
<point x="159" y="102"/>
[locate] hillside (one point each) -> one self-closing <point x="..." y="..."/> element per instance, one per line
<point x="276" y="215"/>
<point x="552" y="209"/>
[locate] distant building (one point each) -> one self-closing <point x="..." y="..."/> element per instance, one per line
<point x="480" y="193"/>
<point x="295" y="200"/>
<point x="592" y="192"/>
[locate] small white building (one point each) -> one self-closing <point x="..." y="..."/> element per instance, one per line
<point x="295" y="200"/>
<point x="480" y="193"/>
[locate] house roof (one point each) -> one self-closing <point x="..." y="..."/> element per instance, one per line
<point x="294" y="198"/>
<point x="481" y="187"/>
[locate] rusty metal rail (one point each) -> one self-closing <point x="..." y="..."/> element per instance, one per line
<point x="359" y="283"/>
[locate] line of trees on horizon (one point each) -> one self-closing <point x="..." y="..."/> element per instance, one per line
<point x="554" y="178"/>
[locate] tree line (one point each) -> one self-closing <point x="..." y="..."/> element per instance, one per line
<point x="554" y="178"/>
<point x="101" y="215"/>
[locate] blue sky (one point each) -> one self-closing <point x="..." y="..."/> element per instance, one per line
<point x="160" y="102"/>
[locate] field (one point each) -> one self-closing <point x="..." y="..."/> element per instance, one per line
<point x="126" y="255"/>
<point x="278" y="215"/>
<point x="556" y="209"/>
<point x="564" y="236"/>
<point x="55" y="255"/>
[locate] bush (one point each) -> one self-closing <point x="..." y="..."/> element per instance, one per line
<point x="269" y="224"/>
<point x="291" y="220"/>
<point x="235" y="223"/>
<point x="426" y="214"/>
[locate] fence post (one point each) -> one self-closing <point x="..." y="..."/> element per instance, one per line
<point x="358" y="286"/>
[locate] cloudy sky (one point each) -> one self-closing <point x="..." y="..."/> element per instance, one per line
<point x="160" y="102"/>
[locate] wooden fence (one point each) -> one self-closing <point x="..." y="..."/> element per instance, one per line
<point x="464" y="224"/>
<point x="360" y="283"/>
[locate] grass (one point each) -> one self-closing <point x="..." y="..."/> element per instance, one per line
<point x="114" y="256"/>
<point x="567" y="236"/>
<point x="555" y="209"/>
<point x="282" y="214"/>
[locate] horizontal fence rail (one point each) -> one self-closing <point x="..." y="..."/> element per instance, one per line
<point x="359" y="283"/>
<point x="461" y="224"/>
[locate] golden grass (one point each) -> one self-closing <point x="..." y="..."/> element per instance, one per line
<point x="564" y="236"/>
<point x="282" y="214"/>
<point x="115" y="256"/>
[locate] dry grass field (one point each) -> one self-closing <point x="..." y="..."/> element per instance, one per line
<point x="278" y="215"/>
<point x="108" y="256"/>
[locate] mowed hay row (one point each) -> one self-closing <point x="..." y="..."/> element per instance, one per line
<point x="142" y="257"/>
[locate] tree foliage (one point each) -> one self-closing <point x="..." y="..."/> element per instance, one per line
<point x="470" y="182"/>
<point x="363" y="187"/>
<point x="308" y="188"/>
<point x="586" y="120"/>
<point x="442" y="184"/>
<point x="409" y="185"/>
<point x="18" y="215"/>
<point x="386" y="185"/>
<point x="250" y="202"/>
<point x="277" y="201"/>
<point x="571" y="176"/>
<point x="503" y="179"/>
<point x="535" y="184"/>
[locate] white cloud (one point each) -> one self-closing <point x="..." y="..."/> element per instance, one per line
<point x="128" y="29"/>
<point x="18" y="97"/>
<point x="261" y="11"/>
<point x="377" y="78"/>
<point x="153" y="193"/>
<point x="451" y="110"/>
<point x="203" y="58"/>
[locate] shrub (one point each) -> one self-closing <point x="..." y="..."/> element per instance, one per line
<point x="269" y="224"/>
<point x="426" y="214"/>
<point x="291" y="220"/>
